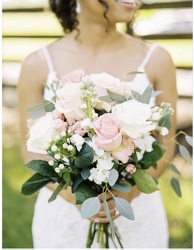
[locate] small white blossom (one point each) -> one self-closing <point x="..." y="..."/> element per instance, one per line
<point x="65" y="145"/>
<point x="78" y="141"/>
<point x="164" y="131"/>
<point x="69" y="147"/>
<point x="86" y="124"/>
<point x="156" y="116"/>
<point x="61" y="166"/>
<point x="66" y="160"/>
<point x="83" y="106"/>
<point x="145" y="144"/>
<point x="51" y="162"/>
<point x="63" y="133"/>
<point x="57" y="170"/>
<point x="57" y="156"/>
<point x="54" y="148"/>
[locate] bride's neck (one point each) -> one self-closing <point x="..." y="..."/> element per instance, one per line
<point x="96" y="35"/>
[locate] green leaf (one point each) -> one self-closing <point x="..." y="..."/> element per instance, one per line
<point x="185" y="153"/>
<point x="156" y="93"/>
<point x="57" y="191"/>
<point x="189" y="140"/>
<point x="106" y="98"/>
<point x="151" y="158"/>
<point x="67" y="178"/>
<point x="83" y="192"/>
<point x="107" y="211"/>
<point x="42" y="167"/>
<point x="173" y="168"/>
<point x="85" y="173"/>
<point x="124" y="208"/>
<point x="146" y="96"/>
<point x="90" y="207"/>
<point x="39" y="109"/>
<point x="165" y="121"/>
<point x="135" y="72"/>
<point x="113" y="177"/>
<point x="84" y="157"/>
<point x="176" y="186"/>
<point x="136" y="95"/>
<point x="145" y="182"/>
<point x="35" y="183"/>
<point x="78" y="179"/>
<point x="122" y="187"/>
<point x="116" y="97"/>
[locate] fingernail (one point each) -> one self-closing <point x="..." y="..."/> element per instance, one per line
<point x="97" y="220"/>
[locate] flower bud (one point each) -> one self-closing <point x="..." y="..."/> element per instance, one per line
<point x="130" y="168"/>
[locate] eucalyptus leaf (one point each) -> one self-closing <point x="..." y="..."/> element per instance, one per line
<point x="173" y="168"/>
<point x="189" y="139"/>
<point x="176" y="186"/>
<point x="84" y="157"/>
<point x="113" y="177"/>
<point x="106" y="98"/>
<point x="116" y="97"/>
<point x="122" y="187"/>
<point x="124" y="208"/>
<point x="107" y="211"/>
<point x="41" y="108"/>
<point x="90" y="207"/>
<point x="165" y="121"/>
<point x="146" y="96"/>
<point x="185" y="153"/>
<point x="156" y="93"/>
<point x="145" y="182"/>
<point x="35" y="183"/>
<point x="135" y="72"/>
<point x="136" y="95"/>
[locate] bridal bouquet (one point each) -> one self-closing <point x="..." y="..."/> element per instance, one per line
<point x="100" y="136"/>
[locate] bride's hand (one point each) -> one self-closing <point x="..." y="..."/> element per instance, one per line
<point x="101" y="216"/>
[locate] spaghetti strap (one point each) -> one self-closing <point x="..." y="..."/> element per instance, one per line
<point x="148" y="56"/>
<point x="48" y="59"/>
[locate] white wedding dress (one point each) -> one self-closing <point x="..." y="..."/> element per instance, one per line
<point x="59" y="224"/>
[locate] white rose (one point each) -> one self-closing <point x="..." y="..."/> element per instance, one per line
<point x="104" y="81"/>
<point x="41" y="134"/>
<point x="133" y="116"/>
<point x="69" y="101"/>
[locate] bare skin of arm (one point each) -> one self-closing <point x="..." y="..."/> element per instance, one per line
<point x="160" y="72"/>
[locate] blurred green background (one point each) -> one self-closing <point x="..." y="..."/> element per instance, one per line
<point x="25" y="29"/>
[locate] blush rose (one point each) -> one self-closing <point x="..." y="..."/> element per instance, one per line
<point x="108" y="132"/>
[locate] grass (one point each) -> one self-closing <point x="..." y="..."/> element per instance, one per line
<point x="18" y="209"/>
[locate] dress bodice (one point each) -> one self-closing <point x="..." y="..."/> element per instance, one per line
<point x="138" y="84"/>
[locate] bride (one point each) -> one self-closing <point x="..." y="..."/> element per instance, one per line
<point x="92" y="43"/>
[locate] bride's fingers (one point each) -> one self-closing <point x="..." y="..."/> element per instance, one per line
<point x="103" y="214"/>
<point x="103" y="219"/>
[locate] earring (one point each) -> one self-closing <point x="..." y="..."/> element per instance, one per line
<point x="78" y="8"/>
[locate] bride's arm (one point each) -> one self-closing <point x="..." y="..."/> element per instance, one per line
<point x="30" y="92"/>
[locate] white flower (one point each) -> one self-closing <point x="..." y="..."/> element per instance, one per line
<point x="41" y="134"/>
<point x="156" y="116"/>
<point x="101" y="172"/>
<point x="51" y="162"/>
<point x="86" y="124"/>
<point x="145" y="144"/>
<point x="69" y="101"/>
<point x="57" y="156"/>
<point x="99" y="152"/>
<point x="61" y="166"/>
<point x="133" y="116"/>
<point x="54" y="148"/>
<point x="78" y="141"/>
<point x="164" y="131"/>
<point x="104" y="81"/>
<point x="57" y="170"/>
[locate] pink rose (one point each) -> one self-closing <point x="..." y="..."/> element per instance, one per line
<point x="130" y="168"/>
<point x="74" y="76"/>
<point x="108" y="133"/>
<point x="60" y="125"/>
<point x="125" y="150"/>
<point x="77" y="129"/>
